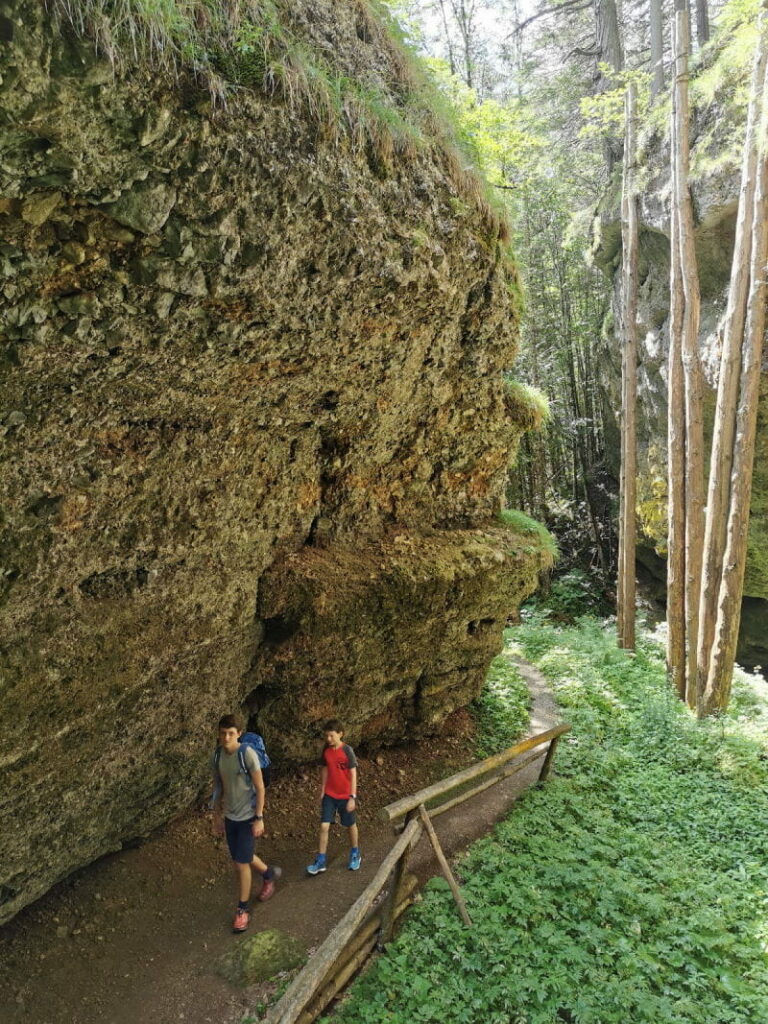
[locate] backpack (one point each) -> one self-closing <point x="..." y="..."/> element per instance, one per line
<point x="256" y="743"/>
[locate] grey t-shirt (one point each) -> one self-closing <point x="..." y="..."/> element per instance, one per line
<point x="236" y="789"/>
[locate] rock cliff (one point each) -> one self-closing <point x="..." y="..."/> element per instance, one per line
<point x="254" y="434"/>
<point x="715" y="191"/>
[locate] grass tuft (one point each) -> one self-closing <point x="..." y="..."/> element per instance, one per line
<point x="518" y="521"/>
<point x="526" y="404"/>
<point x="253" y="44"/>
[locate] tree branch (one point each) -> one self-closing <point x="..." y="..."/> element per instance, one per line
<point x="569" y="5"/>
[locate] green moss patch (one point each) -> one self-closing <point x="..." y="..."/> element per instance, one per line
<point x="526" y="405"/>
<point x="260" y="957"/>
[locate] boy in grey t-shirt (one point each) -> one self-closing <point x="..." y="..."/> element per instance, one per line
<point x="235" y="815"/>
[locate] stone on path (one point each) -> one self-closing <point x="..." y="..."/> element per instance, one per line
<point x="260" y="957"/>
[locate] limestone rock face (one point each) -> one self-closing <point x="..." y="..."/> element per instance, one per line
<point x="334" y="624"/>
<point x="715" y="198"/>
<point x="253" y="434"/>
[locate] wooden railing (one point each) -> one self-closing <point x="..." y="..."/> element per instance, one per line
<point x="365" y="926"/>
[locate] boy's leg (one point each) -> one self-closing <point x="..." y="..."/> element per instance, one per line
<point x="258" y="865"/>
<point x="244" y="881"/>
<point x="327" y="815"/>
<point x="322" y="842"/>
<point x="349" y="821"/>
<point x="240" y="842"/>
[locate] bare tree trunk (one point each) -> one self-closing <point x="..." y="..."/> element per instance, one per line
<point x="609" y="52"/>
<point x="464" y="15"/>
<point x="628" y="498"/>
<point x="702" y="22"/>
<point x="721" y="462"/>
<point x="657" y="47"/>
<point x="608" y="35"/>
<point x="675" y="448"/>
<point x="448" y="40"/>
<point x="718" y="683"/>
<point x="694" y="423"/>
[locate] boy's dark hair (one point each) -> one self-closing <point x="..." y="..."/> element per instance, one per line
<point x="333" y="725"/>
<point x="230" y="722"/>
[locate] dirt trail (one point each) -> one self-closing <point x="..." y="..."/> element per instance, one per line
<point x="134" y="937"/>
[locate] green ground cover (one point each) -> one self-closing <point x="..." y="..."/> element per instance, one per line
<point x="501" y="712"/>
<point x="632" y="889"/>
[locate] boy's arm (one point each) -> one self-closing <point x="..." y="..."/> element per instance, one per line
<point x="258" y="784"/>
<point x="353" y="787"/>
<point x="323" y="780"/>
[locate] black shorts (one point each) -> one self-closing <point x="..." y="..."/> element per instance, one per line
<point x="331" y="806"/>
<point x="240" y="840"/>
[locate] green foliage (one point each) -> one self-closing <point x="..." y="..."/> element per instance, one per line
<point x="521" y="523"/>
<point x="572" y="595"/>
<point x="501" y="712"/>
<point x="631" y="888"/>
<point x="603" y="112"/>
<point x="720" y="90"/>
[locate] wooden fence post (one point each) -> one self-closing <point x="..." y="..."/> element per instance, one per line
<point x="388" y="916"/>
<point x="547" y="766"/>
<point x="444" y="865"/>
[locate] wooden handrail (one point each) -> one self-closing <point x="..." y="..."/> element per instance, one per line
<point x="304" y="986"/>
<point x="505" y="773"/>
<point x="349" y="944"/>
<point x="400" y="807"/>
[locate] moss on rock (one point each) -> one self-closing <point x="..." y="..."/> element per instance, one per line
<point x="260" y="957"/>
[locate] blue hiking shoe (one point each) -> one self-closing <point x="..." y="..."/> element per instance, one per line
<point x="318" y="865"/>
<point x="354" y="859"/>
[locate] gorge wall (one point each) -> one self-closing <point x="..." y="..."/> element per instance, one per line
<point x="254" y="437"/>
<point x="715" y="185"/>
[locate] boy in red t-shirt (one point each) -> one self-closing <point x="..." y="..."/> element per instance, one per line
<point x="338" y="795"/>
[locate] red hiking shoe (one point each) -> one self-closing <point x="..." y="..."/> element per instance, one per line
<point x="268" y="886"/>
<point x="242" y="920"/>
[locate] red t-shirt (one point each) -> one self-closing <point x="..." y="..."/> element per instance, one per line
<point x="339" y="761"/>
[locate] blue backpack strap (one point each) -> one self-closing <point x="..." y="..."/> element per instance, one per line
<point x="241" y="758"/>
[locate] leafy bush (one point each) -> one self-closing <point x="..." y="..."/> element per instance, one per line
<point x="572" y="595"/>
<point x="632" y="888"/>
<point x="501" y="712"/>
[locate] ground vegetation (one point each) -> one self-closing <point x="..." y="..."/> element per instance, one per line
<point x="631" y="888"/>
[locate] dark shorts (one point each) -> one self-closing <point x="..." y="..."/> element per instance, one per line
<point x="240" y="840"/>
<point x="331" y="806"/>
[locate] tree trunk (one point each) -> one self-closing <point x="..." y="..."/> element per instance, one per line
<point x="609" y="52"/>
<point x="702" y="22"/>
<point x="675" y="449"/>
<point x="608" y="35"/>
<point x="694" y="424"/>
<point x="718" y="682"/>
<point x="628" y="498"/>
<point x="657" y="48"/>
<point x="721" y="462"/>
